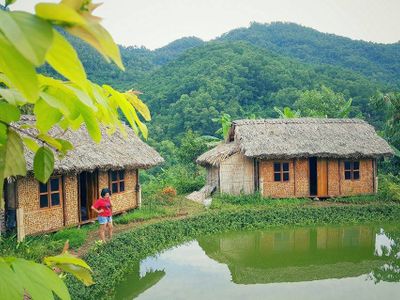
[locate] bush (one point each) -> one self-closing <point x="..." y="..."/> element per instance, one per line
<point x="389" y="187"/>
<point x="179" y="177"/>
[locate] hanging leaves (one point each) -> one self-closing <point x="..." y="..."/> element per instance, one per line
<point x="30" y="35"/>
<point x="43" y="164"/>
<point x="64" y="59"/>
<point x="19" y="71"/>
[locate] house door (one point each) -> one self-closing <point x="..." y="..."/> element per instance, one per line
<point x="318" y="172"/>
<point x="322" y="190"/>
<point x="88" y="193"/>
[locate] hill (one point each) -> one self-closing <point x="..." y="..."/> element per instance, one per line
<point x="376" y="61"/>
<point x="242" y="80"/>
<point x="245" y="72"/>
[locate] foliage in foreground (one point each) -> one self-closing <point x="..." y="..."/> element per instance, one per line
<point x="113" y="260"/>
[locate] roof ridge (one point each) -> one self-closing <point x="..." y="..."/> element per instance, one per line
<point x="299" y="121"/>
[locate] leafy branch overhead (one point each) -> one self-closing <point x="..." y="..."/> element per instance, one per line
<point x="28" y="41"/>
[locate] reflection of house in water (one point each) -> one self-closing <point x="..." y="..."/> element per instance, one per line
<point x="297" y="254"/>
<point x="134" y="284"/>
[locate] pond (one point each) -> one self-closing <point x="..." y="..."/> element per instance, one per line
<point x="325" y="262"/>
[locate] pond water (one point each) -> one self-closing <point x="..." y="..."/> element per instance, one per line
<point x="326" y="262"/>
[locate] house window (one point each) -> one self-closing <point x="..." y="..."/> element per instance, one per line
<point x="352" y="170"/>
<point x="50" y="192"/>
<point x="281" y="171"/>
<point x="117" y="181"/>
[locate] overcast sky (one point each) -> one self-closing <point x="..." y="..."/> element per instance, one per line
<point x="155" y="23"/>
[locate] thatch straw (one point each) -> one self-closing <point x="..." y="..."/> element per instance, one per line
<point x="216" y="155"/>
<point x="303" y="137"/>
<point x="113" y="152"/>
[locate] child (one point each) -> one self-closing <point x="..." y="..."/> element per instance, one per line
<point x="103" y="208"/>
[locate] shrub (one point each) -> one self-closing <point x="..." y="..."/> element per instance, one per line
<point x="169" y="192"/>
<point x="389" y="187"/>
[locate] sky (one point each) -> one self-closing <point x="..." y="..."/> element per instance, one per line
<point x="155" y="23"/>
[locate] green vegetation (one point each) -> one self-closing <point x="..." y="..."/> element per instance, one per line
<point x="224" y="201"/>
<point x="113" y="260"/>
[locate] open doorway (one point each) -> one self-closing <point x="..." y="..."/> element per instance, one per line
<point x="313" y="176"/>
<point x="88" y="193"/>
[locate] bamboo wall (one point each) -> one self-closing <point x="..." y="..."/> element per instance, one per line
<point x="212" y="176"/>
<point x="124" y="200"/>
<point x="298" y="185"/>
<point x="38" y="220"/>
<point x="236" y="175"/>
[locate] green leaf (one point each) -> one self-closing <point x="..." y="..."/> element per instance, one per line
<point x="126" y="108"/>
<point x="65" y="258"/>
<point x="30" y="35"/>
<point x="39" y="281"/>
<point x="65" y="146"/>
<point x="43" y="164"/>
<point x="91" y="123"/>
<point x="10" y="287"/>
<point x="12" y="96"/>
<point x="50" y="141"/>
<point x="9" y="2"/>
<point x="64" y="59"/>
<point x="71" y="264"/>
<point x="31" y="144"/>
<point x="82" y="97"/>
<point x="138" y="105"/>
<point x="9" y="113"/>
<point x="59" y="12"/>
<point x="14" y="156"/>
<point x="95" y="35"/>
<point x="19" y="71"/>
<point x="46" y="116"/>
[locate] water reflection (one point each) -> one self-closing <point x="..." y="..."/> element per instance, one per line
<point x="295" y="254"/>
<point x="136" y="283"/>
<point x="345" y="262"/>
<point x="387" y="244"/>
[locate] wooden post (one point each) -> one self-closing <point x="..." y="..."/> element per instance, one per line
<point x="20" y="225"/>
<point x="261" y="186"/>
<point x="139" y="196"/>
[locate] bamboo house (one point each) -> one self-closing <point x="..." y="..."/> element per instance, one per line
<point x="66" y="199"/>
<point x="304" y="157"/>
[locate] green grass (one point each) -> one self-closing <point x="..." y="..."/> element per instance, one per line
<point x="225" y="201"/>
<point x="36" y="247"/>
<point x="140" y="215"/>
<point x="365" y="199"/>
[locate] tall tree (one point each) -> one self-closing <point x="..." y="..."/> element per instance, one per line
<point x="324" y="103"/>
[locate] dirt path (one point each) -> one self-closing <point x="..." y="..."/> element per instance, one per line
<point x="93" y="235"/>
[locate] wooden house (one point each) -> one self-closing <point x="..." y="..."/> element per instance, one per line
<point x="304" y="157"/>
<point x="66" y="199"/>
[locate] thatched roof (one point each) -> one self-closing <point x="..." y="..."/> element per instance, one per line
<point x="302" y="137"/>
<point x="217" y="154"/>
<point x="113" y="152"/>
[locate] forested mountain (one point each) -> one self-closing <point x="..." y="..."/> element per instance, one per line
<point x="242" y="80"/>
<point x="245" y="72"/>
<point x="376" y="61"/>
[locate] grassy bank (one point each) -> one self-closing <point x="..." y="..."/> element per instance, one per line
<point x="37" y="247"/>
<point x="111" y="261"/>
